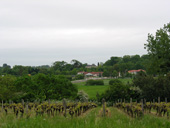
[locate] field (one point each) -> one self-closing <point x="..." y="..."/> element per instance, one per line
<point x="92" y="90"/>
<point x="115" y="117"/>
<point x="91" y="119"/>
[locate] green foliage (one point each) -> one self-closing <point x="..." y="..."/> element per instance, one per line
<point x="110" y="68"/>
<point x="76" y="63"/>
<point x="153" y="87"/>
<point x="39" y="86"/>
<point x="158" y="48"/>
<point x="7" y="88"/>
<point x="117" y="90"/>
<point x="79" y="77"/>
<point x="94" y="82"/>
<point x="114" y="81"/>
<point x="112" y="61"/>
<point x="82" y="96"/>
<point x="146" y="84"/>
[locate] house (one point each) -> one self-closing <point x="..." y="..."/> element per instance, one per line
<point x="135" y="71"/>
<point x="94" y="74"/>
<point x="91" y="66"/>
<point x="80" y="73"/>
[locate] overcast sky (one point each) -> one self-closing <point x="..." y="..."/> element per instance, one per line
<point x="39" y="32"/>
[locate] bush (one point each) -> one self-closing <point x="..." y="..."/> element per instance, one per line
<point x="82" y="96"/>
<point x="116" y="91"/>
<point x="45" y="87"/>
<point x="94" y="82"/>
<point x="114" y="81"/>
<point x="153" y="87"/>
<point x="79" y="77"/>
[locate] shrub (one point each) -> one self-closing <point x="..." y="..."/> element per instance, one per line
<point x="114" y="81"/>
<point x="79" y="77"/>
<point x="82" y="96"/>
<point x="116" y="91"/>
<point x="94" y="82"/>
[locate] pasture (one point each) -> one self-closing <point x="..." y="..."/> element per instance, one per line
<point x="93" y="90"/>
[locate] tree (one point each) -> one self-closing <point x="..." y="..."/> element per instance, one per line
<point x="116" y="91"/>
<point x="7" y="88"/>
<point x="19" y="70"/>
<point x="76" y="63"/>
<point x="112" y="61"/>
<point x="158" y="47"/>
<point x="79" y="77"/>
<point x="135" y="58"/>
<point x="59" y="65"/>
<point x="114" y="81"/>
<point x="44" y="87"/>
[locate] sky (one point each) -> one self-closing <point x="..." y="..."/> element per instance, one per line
<point x="40" y="32"/>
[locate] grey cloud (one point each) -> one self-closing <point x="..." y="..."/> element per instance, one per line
<point x="88" y="30"/>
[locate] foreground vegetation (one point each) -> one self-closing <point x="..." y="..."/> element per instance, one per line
<point x="92" y="119"/>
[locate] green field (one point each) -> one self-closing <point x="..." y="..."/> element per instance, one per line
<point x="92" y="90"/>
<point x="91" y="119"/>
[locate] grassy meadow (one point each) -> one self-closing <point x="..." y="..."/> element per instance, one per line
<point x="92" y="90"/>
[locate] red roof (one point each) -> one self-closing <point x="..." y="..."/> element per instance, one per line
<point x="91" y="73"/>
<point x="131" y="71"/>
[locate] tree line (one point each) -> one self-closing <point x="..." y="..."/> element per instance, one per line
<point x="111" y="68"/>
<point x="39" y="86"/>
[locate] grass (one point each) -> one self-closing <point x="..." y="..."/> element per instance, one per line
<point x="92" y="119"/>
<point x="92" y="90"/>
<point x="58" y="121"/>
<point x="121" y="120"/>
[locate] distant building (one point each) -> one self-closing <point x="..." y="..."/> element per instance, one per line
<point x="135" y="71"/>
<point x="91" y="66"/>
<point x="94" y="74"/>
<point x="79" y="73"/>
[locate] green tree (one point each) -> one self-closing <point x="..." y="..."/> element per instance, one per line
<point x="116" y="91"/>
<point x="59" y="65"/>
<point x="41" y="86"/>
<point x="79" y="77"/>
<point x="112" y="61"/>
<point x="158" y="47"/>
<point x="114" y="81"/>
<point x="7" y="88"/>
<point x="19" y="70"/>
<point x="76" y="63"/>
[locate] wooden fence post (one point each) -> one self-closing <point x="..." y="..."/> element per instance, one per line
<point x="131" y="102"/>
<point x="27" y="107"/>
<point x="2" y="105"/>
<point x="22" y="102"/>
<point x="159" y="110"/>
<point x="166" y="100"/>
<point x="65" y="107"/>
<point x="49" y="102"/>
<point x="144" y="101"/>
<point x="104" y="108"/>
<point x="142" y="105"/>
<point x="159" y="100"/>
